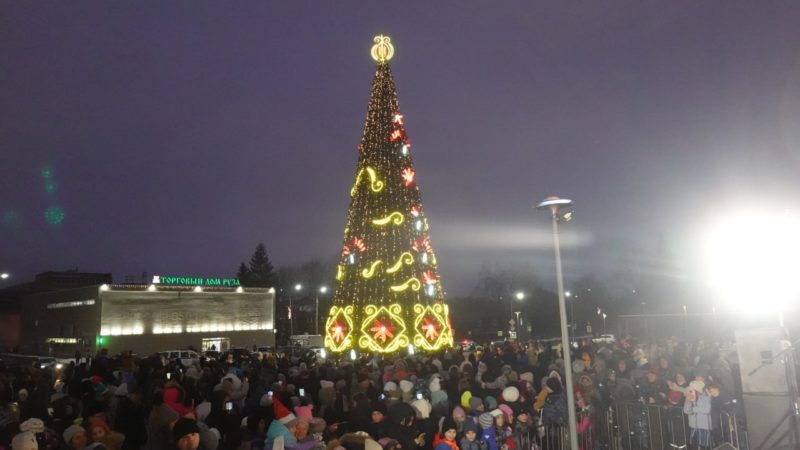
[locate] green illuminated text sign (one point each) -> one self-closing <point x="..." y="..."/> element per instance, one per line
<point x="195" y="281"/>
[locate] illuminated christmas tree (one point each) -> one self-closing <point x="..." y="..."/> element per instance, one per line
<point x="388" y="292"/>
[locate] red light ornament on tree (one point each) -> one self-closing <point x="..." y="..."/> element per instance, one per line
<point x="408" y="176"/>
<point x="338" y="331"/>
<point x="396" y="134"/>
<point x="431" y="329"/>
<point x="429" y="277"/>
<point x="382" y="332"/>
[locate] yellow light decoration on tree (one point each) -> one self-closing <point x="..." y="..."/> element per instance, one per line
<point x="395" y="217"/>
<point x="380" y="341"/>
<point x="412" y="283"/>
<point x="383" y="50"/>
<point x="375" y="184"/>
<point x="405" y="258"/>
<point x="339" y="329"/>
<point x="368" y="273"/>
<point x="340" y="272"/>
<point x="435" y="333"/>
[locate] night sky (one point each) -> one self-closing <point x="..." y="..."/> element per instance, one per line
<point x="174" y="136"/>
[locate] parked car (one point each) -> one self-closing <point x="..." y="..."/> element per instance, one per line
<point x="212" y="355"/>
<point x="467" y="345"/>
<point x="184" y="356"/>
<point x="320" y="352"/>
<point x="42" y="362"/>
<point x="605" y="339"/>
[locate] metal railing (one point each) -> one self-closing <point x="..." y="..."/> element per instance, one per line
<point x="636" y="426"/>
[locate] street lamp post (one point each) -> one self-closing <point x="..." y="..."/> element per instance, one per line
<point x="604" y="323"/>
<point x="322" y="290"/>
<point x="685" y="325"/>
<point x="297" y="288"/>
<point x="520" y="296"/>
<point x="553" y="204"/>
<point x="571" y="320"/>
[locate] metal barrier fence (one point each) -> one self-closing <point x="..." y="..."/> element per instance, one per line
<point x="636" y="426"/>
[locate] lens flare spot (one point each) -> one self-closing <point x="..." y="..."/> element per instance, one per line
<point x="54" y="215"/>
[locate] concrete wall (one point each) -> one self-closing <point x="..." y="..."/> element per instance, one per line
<point x="146" y="344"/>
<point x="40" y="322"/>
<point x="10" y="327"/>
<point x="145" y="321"/>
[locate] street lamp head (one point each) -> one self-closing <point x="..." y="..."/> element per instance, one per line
<point x="298" y="286"/>
<point x="323" y="289"/>
<point x="520" y="295"/>
<point x="4" y="276"/>
<point x="552" y="201"/>
<point x="568" y="294"/>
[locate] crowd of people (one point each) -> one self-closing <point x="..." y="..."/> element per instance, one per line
<point x="505" y="397"/>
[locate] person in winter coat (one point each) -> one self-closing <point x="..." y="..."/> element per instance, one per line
<point x="698" y="409"/>
<point x="471" y="440"/>
<point x="447" y="437"/>
<point x="131" y="420"/>
<point x="488" y="432"/>
<point x="554" y="411"/>
<point x="282" y="428"/>
<point x="76" y="438"/>
<point x="423" y="422"/>
<point x="99" y="431"/>
<point x="377" y="428"/>
<point x="186" y="434"/>
<point x="159" y="434"/>
<point x="401" y="427"/>
<point x="524" y="434"/>
<point x="225" y="418"/>
<point x="460" y="417"/>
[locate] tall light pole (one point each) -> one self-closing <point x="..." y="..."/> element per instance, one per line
<point x="322" y="290"/>
<point x="604" y="323"/>
<point x="554" y="204"/>
<point x="685" y="325"/>
<point x="571" y="320"/>
<point x="520" y="296"/>
<point x="297" y="288"/>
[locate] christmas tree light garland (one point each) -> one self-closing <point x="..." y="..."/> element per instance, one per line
<point x="380" y="303"/>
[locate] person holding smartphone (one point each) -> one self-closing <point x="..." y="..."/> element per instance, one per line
<point x="225" y="418"/>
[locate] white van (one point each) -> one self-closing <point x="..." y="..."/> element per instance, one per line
<point x="184" y="356"/>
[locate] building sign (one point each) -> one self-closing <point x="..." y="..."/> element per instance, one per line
<point x="195" y="281"/>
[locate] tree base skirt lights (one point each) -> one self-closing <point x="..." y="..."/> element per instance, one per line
<point x="388" y="329"/>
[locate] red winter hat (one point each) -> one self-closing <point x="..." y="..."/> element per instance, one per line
<point x="283" y="415"/>
<point x="95" y="379"/>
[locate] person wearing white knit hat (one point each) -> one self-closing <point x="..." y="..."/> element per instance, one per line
<point x="33" y="425"/>
<point x="422" y="408"/>
<point x="75" y="437"/>
<point x="24" y="441"/>
<point x="370" y="444"/>
<point x="697" y="408"/>
<point x="510" y="394"/>
<point x="406" y="388"/>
